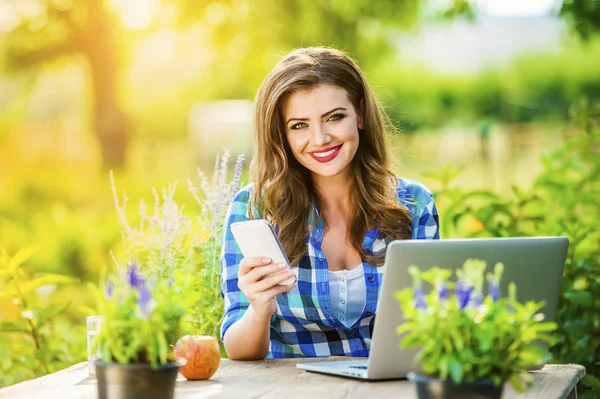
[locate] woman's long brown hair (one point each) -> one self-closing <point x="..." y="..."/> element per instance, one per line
<point x="283" y="189"/>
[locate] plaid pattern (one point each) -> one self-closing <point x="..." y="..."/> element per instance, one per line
<point x="304" y="324"/>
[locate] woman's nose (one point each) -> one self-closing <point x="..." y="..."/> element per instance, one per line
<point x="320" y="135"/>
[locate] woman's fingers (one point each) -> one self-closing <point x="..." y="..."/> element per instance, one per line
<point x="259" y="279"/>
<point x="268" y="282"/>
<point x="277" y="289"/>
<point x="251" y="287"/>
<point x="247" y="264"/>
<point x="262" y="272"/>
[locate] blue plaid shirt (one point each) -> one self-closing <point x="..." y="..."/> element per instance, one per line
<point x="305" y="325"/>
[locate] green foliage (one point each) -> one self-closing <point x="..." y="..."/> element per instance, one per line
<point x="464" y="337"/>
<point x="584" y="16"/>
<point x="532" y="87"/>
<point x="142" y="320"/>
<point x="169" y="246"/>
<point x="162" y="243"/>
<point x="562" y="201"/>
<point x="213" y="202"/>
<point x="37" y="336"/>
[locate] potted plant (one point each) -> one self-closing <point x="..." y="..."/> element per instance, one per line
<point x="470" y="344"/>
<point x="140" y="320"/>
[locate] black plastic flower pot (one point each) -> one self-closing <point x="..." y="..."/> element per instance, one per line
<point x="434" y="388"/>
<point x="136" y="381"/>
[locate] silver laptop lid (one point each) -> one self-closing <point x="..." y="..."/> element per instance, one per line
<point x="535" y="264"/>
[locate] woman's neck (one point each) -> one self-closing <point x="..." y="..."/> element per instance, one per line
<point x="334" y="194"/>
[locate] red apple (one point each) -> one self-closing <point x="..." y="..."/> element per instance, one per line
<point x="202" y="353"/>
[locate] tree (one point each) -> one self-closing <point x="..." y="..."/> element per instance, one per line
<point x="86" y="28"/>
<point x="248" y="36"/>
<point x="584" y="16"/>
<point x="252" y="35"/>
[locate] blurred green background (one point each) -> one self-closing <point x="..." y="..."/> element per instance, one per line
<point x="153" y="89"/>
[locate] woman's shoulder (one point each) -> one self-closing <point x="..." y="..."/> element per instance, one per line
<point x="412" y="187"/>
<point x="412" y="193"/>
<point x="240" y="203"/>
<point x="243" y="195"/>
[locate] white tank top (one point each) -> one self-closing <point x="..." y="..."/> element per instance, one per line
<point x="348" y="292"/>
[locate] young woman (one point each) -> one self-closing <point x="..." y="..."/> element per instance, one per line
<point x="321" y="176"/>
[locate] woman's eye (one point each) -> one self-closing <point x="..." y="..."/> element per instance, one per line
<point x="336" y="117"/>
<point x="297" y="126"/>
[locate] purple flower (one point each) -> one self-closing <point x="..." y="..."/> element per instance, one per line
<point x="419" y="298"/>
<point x="237" y="173"/>
<point x="443" y="292"/>
<point x="512" y="296"/>
<point x="494" y="290"/>
<point x="144" y="301"/>
<point x="108" y="289"/>
<point x="476" y="300"/>
<point x="133" y="278"/>
<point x="463" y="294"/>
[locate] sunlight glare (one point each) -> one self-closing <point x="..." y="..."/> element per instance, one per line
<point x="138" y="14"/>
<point x="8" y="18"/>
<point x="216" y="13"/>
<point x="518" y="8"/>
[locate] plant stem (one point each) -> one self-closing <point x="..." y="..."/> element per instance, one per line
<point x="33" y="331"/>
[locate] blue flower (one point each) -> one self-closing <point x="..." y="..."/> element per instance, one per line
<point x="476" y="300"/>
<point x="419" y="297"/>
<point x="443" y="292"/>
<point x="494" y="282"/>
<point x="144" y="301"/>
<point x="494" y="290"/>
<point x="133" y="278"/>
<point x="108" y="289"/>
<point x="418" y="294"/>
<point x="463" y="294"/>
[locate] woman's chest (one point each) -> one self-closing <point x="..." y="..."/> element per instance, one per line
<point x="338" y="250"/>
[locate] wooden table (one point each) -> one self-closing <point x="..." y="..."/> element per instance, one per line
<point x="281" y="379"/>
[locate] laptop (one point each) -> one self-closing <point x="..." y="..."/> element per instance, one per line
<point x="535" y="264"/>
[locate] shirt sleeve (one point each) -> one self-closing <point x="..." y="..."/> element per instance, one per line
<point x="427" y="226"/>
<point x="419" y="201"/>
<point x="235" y="302"/>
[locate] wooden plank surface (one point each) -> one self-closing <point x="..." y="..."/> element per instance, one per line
<point x="280" y="379"/>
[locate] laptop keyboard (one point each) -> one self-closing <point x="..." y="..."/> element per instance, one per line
<point x="359" y="367"/>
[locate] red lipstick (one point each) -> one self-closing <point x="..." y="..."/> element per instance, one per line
<point x="326" y="154"/>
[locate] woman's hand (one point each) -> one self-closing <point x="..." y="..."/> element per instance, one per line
<point x="260" y="289"/>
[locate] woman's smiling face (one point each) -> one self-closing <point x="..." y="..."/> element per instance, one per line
<point x="322" y="127"/>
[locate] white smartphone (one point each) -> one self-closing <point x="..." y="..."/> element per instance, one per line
<point x="257" y="238"/>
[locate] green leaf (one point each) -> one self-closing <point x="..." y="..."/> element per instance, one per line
<point x="456" y="371"/>
<point x="50" y="312"/>
<point x="47" y="279"/>
<point x="19" y="259"/>
<point x="545" y="327"/>
<point x="581" y="298"/>
<point x="407" y="326"/>
<point x="592" y="381"/>
<point x="457" y="339"/>
<point x="163" y="348"/>
<point x="444" y="365"/>
<point x="14" y="327"/>
<point x="517" y="383"/>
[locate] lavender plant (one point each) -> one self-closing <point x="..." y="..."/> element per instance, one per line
<point x="468" y="336"/>
<point x="214" y="199"/>
<point x="162" y="242"/>
<point x="170" y="246"/>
